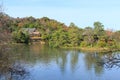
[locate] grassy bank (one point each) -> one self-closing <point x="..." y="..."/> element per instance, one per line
<point x="94" y="49"/>
<point x="86" y="49"/>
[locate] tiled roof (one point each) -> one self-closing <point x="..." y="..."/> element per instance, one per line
<point x="29" y="30"/>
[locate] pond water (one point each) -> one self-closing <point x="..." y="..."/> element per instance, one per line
<point x="37" y="62"/>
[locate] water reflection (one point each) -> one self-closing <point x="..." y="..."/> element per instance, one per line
<point x="23" y="62"/>
<point x="74" y="60"/>
<point x="111" y="60"/>
<point x="92" y="59"/>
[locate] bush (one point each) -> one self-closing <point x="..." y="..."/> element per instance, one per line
<point x="84" y="44"/>
<point x="21" y="37"/>
<point x="101" y="44"/>
<point x="112" y="44"/>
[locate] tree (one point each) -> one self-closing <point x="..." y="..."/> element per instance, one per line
<point x="21" y="37"/>
<point x="5" y="24"/>
<point x="58" y="38"/>
<point x="98" y="28"/>
<point x="72" y="25"/>
<point x="1" y="13"/>
<point x="88" y="35"/>
<point x="1" y="7"/>
<point x="116" y="36"/>
<point x="74" y="35"/>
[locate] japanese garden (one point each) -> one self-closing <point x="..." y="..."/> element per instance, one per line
<point x="47" y="49"/>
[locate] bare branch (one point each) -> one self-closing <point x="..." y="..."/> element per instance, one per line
<point x="111" y="61"/>
<point x="1" y="6"/>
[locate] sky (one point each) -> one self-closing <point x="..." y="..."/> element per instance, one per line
<point x="81" y="12"/>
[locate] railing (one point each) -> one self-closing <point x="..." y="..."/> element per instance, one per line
<point x="35" y="38"/>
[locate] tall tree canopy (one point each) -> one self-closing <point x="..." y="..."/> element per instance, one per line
<point x="98" y="28"/>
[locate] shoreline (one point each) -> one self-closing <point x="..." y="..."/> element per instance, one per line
<point x="93" y="49"/>
<point x="86" y="49"/>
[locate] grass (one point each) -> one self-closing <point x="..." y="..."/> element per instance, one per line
<point x="94" y="49"/>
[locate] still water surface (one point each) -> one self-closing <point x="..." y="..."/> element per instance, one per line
<point x="22" y="62"/>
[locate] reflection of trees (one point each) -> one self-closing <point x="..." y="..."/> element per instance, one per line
<point x="61" y="61"/>
<point x="18" y="72"/>
<point x="8" y="70"/>
<point x="29" y="54"/>
<point x="4" y="60"/>
<point x="111" y="60"/>
<point x="47" y="55"/>
<point x="60" y="56"/>
<point x="74" y="59"/>
<point x="99" y="61"/>
<point x="65" y="59"/>
<point x="91" y="60"/>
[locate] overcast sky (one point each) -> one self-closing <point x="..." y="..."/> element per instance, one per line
<point x="82" y="12"/>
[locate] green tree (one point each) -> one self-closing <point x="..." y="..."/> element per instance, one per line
<point x="75" y="36"/>
<point x="101" y="43"/>
<point x="72" y="25"/>
<point x="98" y="29"/>
<point x="116" y="36"/>
<point x="58" y="38"/>
<point x="21" y="37"/>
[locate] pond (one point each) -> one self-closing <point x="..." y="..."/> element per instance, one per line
<point x="38" y="62"/>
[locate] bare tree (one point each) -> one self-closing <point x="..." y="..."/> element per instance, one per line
<point x="111" y="61"/>
<point x="1" y="6"/>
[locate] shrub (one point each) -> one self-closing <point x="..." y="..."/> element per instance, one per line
<point x="84" y="44"/>
<point x="112" y="44"/>
<point x="101" y="44"/>
<point x="21" y="37"/>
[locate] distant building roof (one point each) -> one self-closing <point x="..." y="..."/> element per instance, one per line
<point x="29" y="30"/>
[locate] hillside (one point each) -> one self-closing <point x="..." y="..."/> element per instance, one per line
<point x="57" y="34"/>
